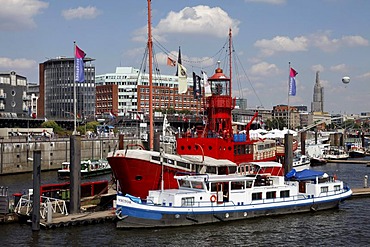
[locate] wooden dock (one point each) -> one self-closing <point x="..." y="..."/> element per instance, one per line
<point x="86" y="218"/>
<point x="360" y="192"/>
<point x="350" y="161"/>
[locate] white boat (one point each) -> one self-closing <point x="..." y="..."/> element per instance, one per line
<point x="335" y="153"/>
<point x="202" y="199"/>
<point x="301" y="162"/>
<point x="89" y="168"/>
<point x="356" y="151"/>
<point x="315" y="153"/>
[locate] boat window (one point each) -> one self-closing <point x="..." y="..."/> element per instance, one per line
<point x="182" y="164"/>
<point x="237" y="185"/>
<point x="248" y="184"/>
<point x="184" y="183"/>
<point x="214" y="187"/>
<point x="284" y="193"/>
<point x="257" y="196"/>
<point x="211" y="169"/>
<point x="232" y="169"/>
<point x="336" y="187"/>
<point x="270" y="194"/>
<point x="165" y="160"/>
<point x="187" y="201"/>
<point x="324" y="189"/>
<point x="197" y="185"/>
<point x="248" y="149"/>
<point x="157" y="158"/>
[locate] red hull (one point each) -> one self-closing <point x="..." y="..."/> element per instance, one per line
<point x="136" y="177"/>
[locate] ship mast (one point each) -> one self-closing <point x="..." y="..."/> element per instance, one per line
<point x="230" y="46"/>
<point x="150" y="48"/>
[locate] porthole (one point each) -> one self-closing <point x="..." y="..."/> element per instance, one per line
<point x="189" y="147"/>
<point x="138" y="178"/>
<point x="210" y="148"/>
<point x="14" y="92"/>
<point x="14" y="104"/>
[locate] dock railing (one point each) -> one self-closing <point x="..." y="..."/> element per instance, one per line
<point x="24" y="206"/>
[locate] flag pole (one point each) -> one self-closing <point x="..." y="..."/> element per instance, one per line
<point x="288" y="99"/>
<point x="74" y="90"/>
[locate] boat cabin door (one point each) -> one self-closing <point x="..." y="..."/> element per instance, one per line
<point x="222" y="192"/>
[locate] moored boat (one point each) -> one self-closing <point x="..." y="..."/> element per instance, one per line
<point x="142" y="170"/>
<point x="202" y="199"/>
<point x="335" y="153"/>
<point x="356" y="151"/>
<point x="317" y="161"/>
<point x="300" y="162"/>
<point x="89" y="168"/>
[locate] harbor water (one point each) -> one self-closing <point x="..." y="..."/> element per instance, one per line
<point x="347" y="226"/>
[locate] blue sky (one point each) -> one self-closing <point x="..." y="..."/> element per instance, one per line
<point x="330" y="36"/>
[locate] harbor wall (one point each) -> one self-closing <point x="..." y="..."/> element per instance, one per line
<point x="16" y="155"/>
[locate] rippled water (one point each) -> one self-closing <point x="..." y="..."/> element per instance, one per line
<point x="347" y="226"/>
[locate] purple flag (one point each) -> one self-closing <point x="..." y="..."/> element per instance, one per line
<point x="79" y="65"/>
<point x="292" y="85"/>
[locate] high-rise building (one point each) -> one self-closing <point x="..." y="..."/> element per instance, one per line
<point x="318" y="96"/>
<point x="56" y="99"/>
<point x="14" y="101"/>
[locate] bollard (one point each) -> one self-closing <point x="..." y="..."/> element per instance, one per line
<point x="365" y="181"/>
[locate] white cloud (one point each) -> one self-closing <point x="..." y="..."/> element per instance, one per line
<point x="263" y="69"/>
<point x="281" y="44"/>
<point x="267" y="1"/>
<point x="88" y="12"/>
<point x="364" y="76"/>
<point x="194" y="20"/>
<point x="321" y="40"/>
<point x="317" y="67"/>
<point x="339" y="68"/>
<point x="19" y="15"/>
<point x="325" y="43"/>
<point x="15" y="64"/>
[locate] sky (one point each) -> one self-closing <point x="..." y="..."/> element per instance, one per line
<point x="329" y="36"/>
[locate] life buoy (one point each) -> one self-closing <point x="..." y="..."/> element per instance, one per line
<point x="213" y="198"/>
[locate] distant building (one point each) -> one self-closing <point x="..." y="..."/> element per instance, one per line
<point x="318" y="96"/>
<point x="240" y="103"/>
<point x="57" y="89"/>
<point x="133" y="92"/>
<point x="106" y="99"/>
<point x="293" y="115"/>
<point x="13" y="95"/>
<point x="33" y="94"/>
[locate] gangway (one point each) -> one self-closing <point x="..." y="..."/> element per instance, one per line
<point x="25" y="205"/>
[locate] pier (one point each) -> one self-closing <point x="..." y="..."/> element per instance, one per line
<point x="350" y="161"/>
<point x="85" y="218"/>
<point x="360" y="192"/>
